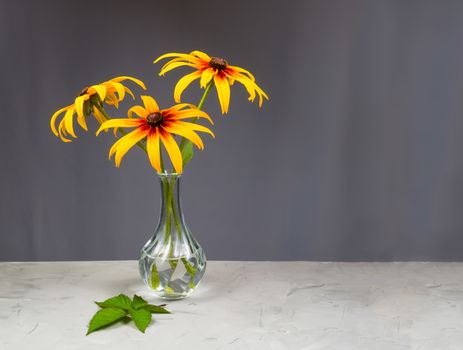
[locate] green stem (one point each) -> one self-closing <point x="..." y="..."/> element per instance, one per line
<point x="168" y="197"/>
<point x="168" y="235"/>
<point x="206" y="92"/>
<point x="183" y="143"/>
<point x="209" y="86"/>
<point x="177" y="222"/>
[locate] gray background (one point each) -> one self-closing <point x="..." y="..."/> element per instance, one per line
<point x="356" y="157"/>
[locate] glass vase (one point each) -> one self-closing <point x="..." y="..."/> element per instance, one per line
<point x="172" y="263"/>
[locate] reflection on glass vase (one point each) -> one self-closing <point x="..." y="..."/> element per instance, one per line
<point x="172" y="263"/>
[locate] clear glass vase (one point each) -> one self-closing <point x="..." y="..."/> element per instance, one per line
<point x="172" y="263"/>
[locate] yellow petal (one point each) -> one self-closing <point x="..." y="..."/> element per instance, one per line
<point x="177" y="107"/>
<point x="173" y="151"/>
<point x="201" y="55"/>
<point x="138" y="110"/>
<point x="115" y="146"/>
<point x="111" y="99"/>
<point x="244" y="71"/>
<point x="127" y="142"/>
<point x="119" y="88"/>
<point x="79" y="103"/>
<point x="55" y="116"/>
<point x="190" y="59"/>
<point x="195" y="127"/>
<point x="118" y="123"/>
<point x="180" y="59"/>
<point x="206" y="76"/>
<point x="82" y="122"/>
<point x="252" y="88"/>
<point x="185" y="132"/>
<point x="61" y="127"/>
<point x="170" y="66"/>
<point x="129" y="92"/>
<point x="152" y="146"/>
<point x="190" y="113"/>
<point x="173" y="54"/>
<point x="64" y="139"/>
<point x="99" y="89"/>
<point x="150" y="104"/>
<point x="249" y="85"/>
<point x="62" y="131"/>
<point x="183" y="84"/>
<point x="261" y="93"/>
<point x="135" y="80"/>
<point x="68" y="122"/>
<point x="223" y="92"/>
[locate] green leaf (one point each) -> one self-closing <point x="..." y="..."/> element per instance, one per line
<point x="154" y="309"/>
<point x="138" y="302"/>
<point x="104" y="318"/>
<point x="141" y="317"/>
<point x="121" y="301"/>
<point x="187" y="152"/>
<point x="119" y="307"/>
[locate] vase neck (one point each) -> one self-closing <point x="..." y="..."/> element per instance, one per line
<point x="170" y="195"/>
<point x="171" y="220"/>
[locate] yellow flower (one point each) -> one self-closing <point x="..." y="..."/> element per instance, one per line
<point x="157" y="126"/>
<point x="211" y="68"/>
<point x="88" y="101"/>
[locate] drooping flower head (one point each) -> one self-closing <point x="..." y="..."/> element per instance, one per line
<point x="211" y="68"/>
<point x="157" y="126"/>
<point x="88" y="102"/>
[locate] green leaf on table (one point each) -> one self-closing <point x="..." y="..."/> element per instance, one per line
<point x="138" y="302"/>
<point x="154" y="309"/>
<point x="105" y="317"/>
<point x="141" y="317"/>
<point x="120" y="301"/>
<point x="120" y="307"/>
<point x="187" y="152"/>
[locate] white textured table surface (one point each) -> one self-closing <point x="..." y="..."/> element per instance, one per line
<point x="241" y="305"/>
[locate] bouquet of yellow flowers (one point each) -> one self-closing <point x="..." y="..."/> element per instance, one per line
<point x="172" y="263"/>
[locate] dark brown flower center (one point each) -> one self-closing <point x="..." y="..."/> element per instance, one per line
<point x="218" y="63"/>
<point x="154" y="119"/>
<point x="84" y="91"/>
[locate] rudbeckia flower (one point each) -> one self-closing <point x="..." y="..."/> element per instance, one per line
<point x="89" y="102"/>
<point x="211" y="68"/>
<point x="157" y="126"/>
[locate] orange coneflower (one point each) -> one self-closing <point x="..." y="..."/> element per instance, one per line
<point x="157" y="126"/>
<point x="211" y="68"/>
<point x="88" y="102"/>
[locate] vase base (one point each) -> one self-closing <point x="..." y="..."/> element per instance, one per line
<point x="173" y="279"/>
<point x="172" y="297"/>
